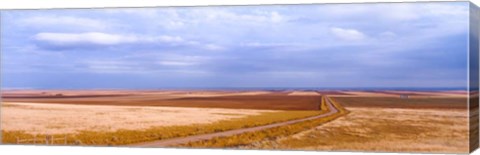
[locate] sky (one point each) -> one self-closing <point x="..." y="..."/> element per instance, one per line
<point x="381" y="45"/>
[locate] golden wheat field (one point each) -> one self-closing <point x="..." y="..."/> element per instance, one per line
<point x="122" y="118"/>
<point x="380" y="129"/>
<point x="39" y="118"/>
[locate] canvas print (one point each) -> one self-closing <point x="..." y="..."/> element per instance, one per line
<point x="387" y="77"/>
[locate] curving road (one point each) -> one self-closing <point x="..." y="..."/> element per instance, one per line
<point x="194" y="138"/>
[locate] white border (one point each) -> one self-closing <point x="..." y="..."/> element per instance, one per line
<point x="46" y="4"/>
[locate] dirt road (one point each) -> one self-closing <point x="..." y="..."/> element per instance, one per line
<point x="184" y="140"/>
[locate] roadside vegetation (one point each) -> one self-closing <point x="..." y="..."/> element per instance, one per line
<point x="383" y="130"/>
<point x="121" y="137"/>
<point x="268" y="134"/>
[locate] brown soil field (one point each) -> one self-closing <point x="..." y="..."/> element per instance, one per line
<point x="249" y="102"/>
<point x="303" y="93"/>
<point x="411" y="93"/>
<point x="332" y="92"/>
<point x="107" y="93"/>
<point x="425" y="94"/>
<point x="207" y="99"/>
<point x="391" y="93"/>
<point x="396" y="102"/>
<point x="361" y="94"/>
<point x="385" y="130"/>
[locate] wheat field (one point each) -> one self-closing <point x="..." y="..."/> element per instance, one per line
<point x="383" y="129"/>
<point x="35" y="118"/>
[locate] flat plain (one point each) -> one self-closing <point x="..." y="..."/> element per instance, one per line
<point x="41" y="118"/>
<point x="425" y="123"/>
<point x="206" y="99"/>
<point x="380" y="129"/>
<point x="136" y="116"/>
<point x="407" y="121"/>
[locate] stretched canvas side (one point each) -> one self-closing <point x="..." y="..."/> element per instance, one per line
<point x="473" y="76"/>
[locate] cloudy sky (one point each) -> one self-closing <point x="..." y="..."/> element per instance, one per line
<point x="330" y="45"/>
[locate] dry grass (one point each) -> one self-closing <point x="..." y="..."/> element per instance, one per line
<point x="34" y="118"/>
<point x="114" y="125"/>
<point x="254" y="138"/>
<point x="383" y="129"/>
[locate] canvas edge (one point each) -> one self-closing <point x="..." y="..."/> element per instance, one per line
<point x="473" y="76"/>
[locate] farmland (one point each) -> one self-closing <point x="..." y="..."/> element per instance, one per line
<point x="333" y="111"/>
<point x="365" y="120"/>
<point x="59" y="118"/>
<point x="207" y="99"/>
<point x="96" y="119"/>
<point x="130" y="128"/>
<point x="425" y="124"/>
<point x="376" y="129"/>
<point x="395" y="102"/>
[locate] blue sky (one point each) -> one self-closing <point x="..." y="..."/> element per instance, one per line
<point x="330" y="45"/>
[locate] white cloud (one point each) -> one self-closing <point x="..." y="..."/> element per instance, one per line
<point x="154" y="62"/>
<point x="165" y="38"/>
<point x="91" y="38"/>
<point x="394" y="12"/>
<point x="276" y="17"/>
<point x="267" y="44"/>
<point x="67" y="21"/>
<point x="230" y="16"/>
<point x="348" y="34"/>
<point x="400" y="13"/>
<point x="143" y="12"/>
<point x="182" y="60"/>
<point x="100" y="38"/>
<point x="441" y="10"/>
<point x="176" y="63"/>
<point x="213" y="47"/>
<point x="111" y="66"/>
<point x="172" y="24"/>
